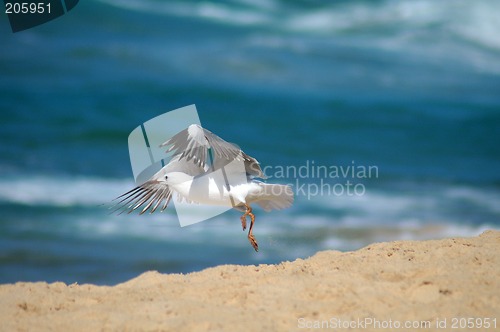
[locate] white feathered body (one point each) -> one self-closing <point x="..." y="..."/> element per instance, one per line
<point x="206" y="190"/>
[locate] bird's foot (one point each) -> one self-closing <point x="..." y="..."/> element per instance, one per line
<point x="243" y="219"/>
<point x="253" y="242"/>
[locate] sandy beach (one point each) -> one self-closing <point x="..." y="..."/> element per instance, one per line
<point x="438" y="284"/>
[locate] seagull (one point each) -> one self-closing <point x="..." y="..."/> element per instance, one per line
<point x="198" y="152"/>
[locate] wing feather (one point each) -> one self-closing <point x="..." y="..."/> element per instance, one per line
<point x="150" y="194"/>
<point x="194" y="142"/>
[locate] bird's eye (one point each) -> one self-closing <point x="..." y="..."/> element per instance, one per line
<point x="166" y="177"/>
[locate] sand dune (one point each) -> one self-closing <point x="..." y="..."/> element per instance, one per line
<point x="432" y="283"/>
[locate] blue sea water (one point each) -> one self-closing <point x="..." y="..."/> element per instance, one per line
<point x="411" y="87"/>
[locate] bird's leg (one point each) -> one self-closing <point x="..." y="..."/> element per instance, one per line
<point x="243" y="219"/>
<point x="251" y="238"/>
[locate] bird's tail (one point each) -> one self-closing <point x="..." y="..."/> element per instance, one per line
<point x="275" y="197"/>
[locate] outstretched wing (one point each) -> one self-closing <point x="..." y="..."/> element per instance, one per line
<point x="194" y="143"/>
<point x="150" y="194"/>
<point x="274" y="196"/>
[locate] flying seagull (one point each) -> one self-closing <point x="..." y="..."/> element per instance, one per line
<point x="198" y="152"/>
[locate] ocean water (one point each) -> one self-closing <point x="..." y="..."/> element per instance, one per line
<point x="410" y="88"/>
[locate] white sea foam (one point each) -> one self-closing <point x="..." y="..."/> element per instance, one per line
<point x="328" y="222"/>
<point x="205" y="10"/>
<point x="418" y="201"/>
<point x="399" y="233"/>
<point x="62" y="191"/>
<point x="474" y="20"/>
<point x="422" y="30"/>
<point x="489" y="200"/>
